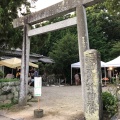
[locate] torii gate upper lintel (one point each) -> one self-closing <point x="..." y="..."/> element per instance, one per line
<point x="58" y="9"/>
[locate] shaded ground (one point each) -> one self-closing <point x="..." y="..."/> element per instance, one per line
<point x="58" y="103"/>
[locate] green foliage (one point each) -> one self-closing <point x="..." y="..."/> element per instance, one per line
<point x="44" y="43"/>
<point x="103" y="30"/>
<point x="49" y="68"/>
<point x="8" y="105"/>
<point x="115" y="51"/>
<point x="45" y="68"/>
<point x="65" y="52"/>
<point x="40" y="44"/>
<point x="14" y="101"/>
<point x="109" y="103"/>
<point x="41" y="68"/>
<point x="8" y="80"/>
<point x="113" y="80"/>
<point x="113" y="6"/>
<point x="1" y="74"/>
<point x="10" y="37"/>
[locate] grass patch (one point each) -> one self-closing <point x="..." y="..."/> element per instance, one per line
<point x="8" y="80"/>
<point x="6" y="106"/>
<point x="9" y="105"/>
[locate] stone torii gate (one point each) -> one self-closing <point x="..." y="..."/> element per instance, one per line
<point x="53" y="11"/>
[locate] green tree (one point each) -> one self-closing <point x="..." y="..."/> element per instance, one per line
<point x="115" y="51"/>
<point x="103" y="30"/>
<point x="113" y="6"/>
<point x="65" y="52"/>
<point x="44" y="43"/>
<point x="10" y="37"/>
<point x="39" y="44"/>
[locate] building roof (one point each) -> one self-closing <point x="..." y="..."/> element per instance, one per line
<point x="18" y="53"/>
<point x="46" y="60"/>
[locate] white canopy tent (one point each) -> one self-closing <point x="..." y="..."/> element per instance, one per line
<point x="113" y="63"/>
<point x="77" y="65"/>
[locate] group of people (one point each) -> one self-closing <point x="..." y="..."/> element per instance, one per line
<point x="32" y="74"/>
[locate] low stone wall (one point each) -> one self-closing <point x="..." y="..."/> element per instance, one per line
<point x="9" y="92"/>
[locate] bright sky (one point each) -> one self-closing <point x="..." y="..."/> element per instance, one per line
<point x="40" y="4"/>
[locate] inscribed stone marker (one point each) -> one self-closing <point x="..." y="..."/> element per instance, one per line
<point x="92" y="85"/>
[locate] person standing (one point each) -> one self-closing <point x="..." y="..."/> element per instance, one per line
<point x="35" y="73"/>
<point x="77" y="79"/>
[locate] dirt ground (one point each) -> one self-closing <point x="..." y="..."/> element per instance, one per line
<point x="58" y="103"/>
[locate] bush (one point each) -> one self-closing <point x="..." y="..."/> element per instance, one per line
<point x="8" y="80"/>
<point x="113" y="80"/>
<point x="109" y="103"/>
<point x="6" y="106"/>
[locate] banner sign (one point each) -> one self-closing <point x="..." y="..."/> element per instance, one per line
<point x="37" y="86"/>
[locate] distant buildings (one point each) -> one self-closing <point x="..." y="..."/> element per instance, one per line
<point x="18" y="52"/>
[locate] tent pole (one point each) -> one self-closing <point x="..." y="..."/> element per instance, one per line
<point x="3" y="71"/>
<point x="101" y="78"/>
<point x="71" y="75"/>
<point x="105" y="75"/>
<point x="12" y="70"/>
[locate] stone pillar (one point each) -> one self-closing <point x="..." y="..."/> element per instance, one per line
<point x="83" y="42"/>
<point x="27" y="56"/>
<point x="24" y="66"/>
<point x="92" y="84"/>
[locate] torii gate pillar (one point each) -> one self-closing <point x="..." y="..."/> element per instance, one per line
<point x="83" y="42"/>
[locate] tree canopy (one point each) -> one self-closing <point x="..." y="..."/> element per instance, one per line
<point x="113" y="6"/>
<point x="103" y="30"/>
<point x="10" y="37"/>
<point x="65" y="52"/>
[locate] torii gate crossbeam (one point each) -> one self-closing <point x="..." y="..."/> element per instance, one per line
<point x="58" y="9"/>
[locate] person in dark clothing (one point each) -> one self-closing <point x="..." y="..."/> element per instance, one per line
<point x="31" y="73"/>
<point x="31" y="83"/>
<point x="35" y="73"/>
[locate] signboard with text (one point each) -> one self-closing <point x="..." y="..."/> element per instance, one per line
<point x="37" y="86"/>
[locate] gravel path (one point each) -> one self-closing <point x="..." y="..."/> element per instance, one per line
<point x="4" y="118"/>
<point x="58" y="103"/>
